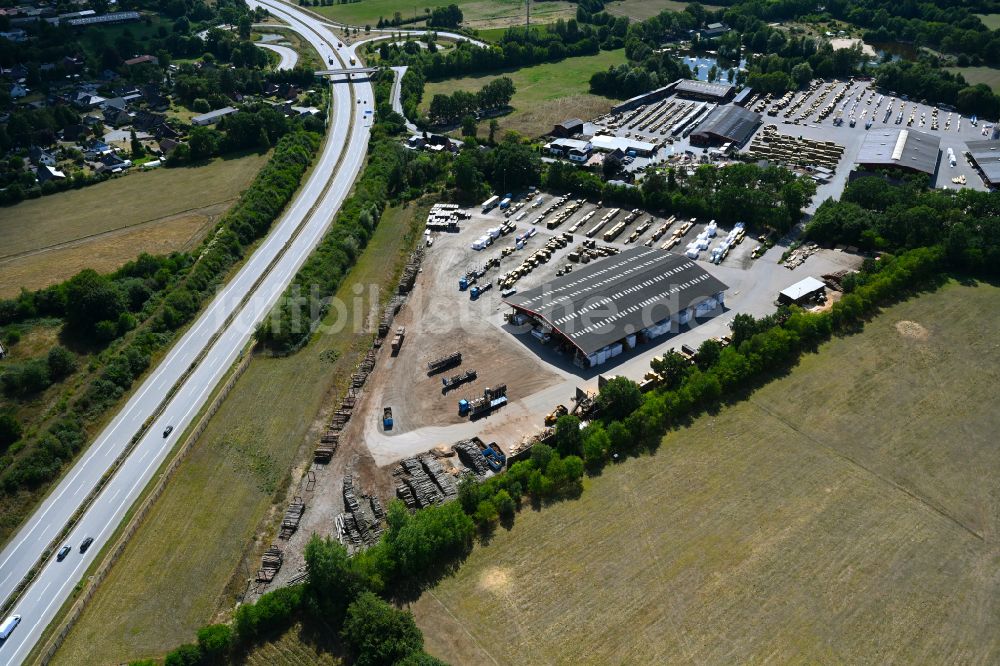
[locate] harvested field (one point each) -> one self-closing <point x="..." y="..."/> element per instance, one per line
<point x="640" y="10"/>
<point x="105" y="220"/>
<point x="206" y="529"/>
<point x="845" y="513"/>
<point x="476" y="13"/>
<point x="292" y="647"/>
<point x="108" y="251"/>
<point x="546" y="94"/>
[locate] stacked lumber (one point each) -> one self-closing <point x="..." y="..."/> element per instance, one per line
<point x="270" y="563"/>
<point x="293" y="515"/>
<point x="471" y="456"/>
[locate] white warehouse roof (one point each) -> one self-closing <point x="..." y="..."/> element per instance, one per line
<point x="609" y="143"/>
<point x="803" y="288"/>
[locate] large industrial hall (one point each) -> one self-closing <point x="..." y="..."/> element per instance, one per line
<point x="606" y="307"/>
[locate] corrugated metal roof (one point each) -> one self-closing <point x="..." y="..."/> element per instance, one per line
<point x="803" y="288"/>
<point x="609" y="143"/>
<point x="729" y="122"/>
<point x="702" y="88"/>
<point x="604" y="301"/>
<point x="987" y="156"/>
<point x="900" y="147"/>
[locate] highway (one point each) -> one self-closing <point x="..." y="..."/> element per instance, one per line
<point x="213" y="343"/>
<point x="288" y="55"/>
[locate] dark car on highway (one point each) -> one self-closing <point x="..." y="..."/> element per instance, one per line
<point x="169" y="430"/>
<point x="86" y="544"/>
<point x="63" y="552"/>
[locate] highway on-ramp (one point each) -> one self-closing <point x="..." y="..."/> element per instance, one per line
<point x="196" y="363"/>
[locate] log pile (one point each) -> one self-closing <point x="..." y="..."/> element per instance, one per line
<point x="270" y="563"/>
<point x="471" y="456"/>
<point x="416" y="488"/>
<point x="361" y="523"/>
<point x="410" y="271"/>
<point x="293" y="515"/>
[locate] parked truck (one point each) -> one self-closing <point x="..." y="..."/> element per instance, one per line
<point x="493" y="398"/>
<point x="478" y="290"/>
<point x="490" y="204"/>
<point x="387" y="418"/>
<point x="456" y="380"/>
<point x="397" y="340"/>
<point x="444" y="362"/>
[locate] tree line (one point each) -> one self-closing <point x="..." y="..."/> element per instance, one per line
<point x="152" y="295"/>
<point x="391" y="173"/>
<point x="448" y="109"/>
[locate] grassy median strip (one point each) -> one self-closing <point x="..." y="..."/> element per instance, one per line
<point x="173" y="574"/>
<point x="830" y="517"/>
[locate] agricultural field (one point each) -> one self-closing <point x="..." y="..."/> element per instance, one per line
<point x="546" y="94"/>
<point x="976" y="75"/>
<point x="991" y="21"/>
<point x="844" y="513"/>
<point x="191" y="556"/>
<point x="49" y="239"/>
<point x="476" y="13"/>
<point x="640" y="10"/>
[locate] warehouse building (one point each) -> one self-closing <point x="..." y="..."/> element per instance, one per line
<point x="576" y="150"/>
<point x="568" y="128"/>
<point x="985" y="156"/>
<point x="626" y="145"/>
<point x="902" y="150"/>
<point x="605" y="308"/>
<point x="803" y="291"/>
<point x="703" y="90"/>
<point x="726" y="124"/>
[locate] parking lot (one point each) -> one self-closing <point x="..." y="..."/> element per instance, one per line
<point x="823" y="112"/>
<point x="440" y="318"/>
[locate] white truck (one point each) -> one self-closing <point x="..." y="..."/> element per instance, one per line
<point x="8" y="626"/>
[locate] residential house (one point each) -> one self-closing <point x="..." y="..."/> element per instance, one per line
<point x="47" y="173"/>
<point x="74" y="132"/>
<point x="116" y="117"/>
<point x="96" y="149"/>
<point x="17" y="35"/>
<point x="213" y="117"/>
<point x="154" y="98"/>
<point x="40" y="157"/>
<point x="17" y="91"/>
<point x="167" y="146"/>
<point x="142" y="60"/>
<point x="113" y="163"/>
<point x="87" y="100"/>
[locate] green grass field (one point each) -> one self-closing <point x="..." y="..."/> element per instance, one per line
<point x="845" y="513"/>
<point x="173" y="575"/>
<point x="991" y="21"/>
<point x="640" y="10"/>
<point x="546" y="93"/>
<point x="150" y="206"/>
<point x="476" y="13"/>
<point x="975" y="75"/>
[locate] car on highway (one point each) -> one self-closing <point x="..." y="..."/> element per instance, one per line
<point x="169" y="429"/>
<point x="63" y="552"/>
<point x="8" y="625"/>
<point x="86" y="544"/>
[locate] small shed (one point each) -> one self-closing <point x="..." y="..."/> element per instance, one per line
<point x="567" y="128"/>
<point x="802" y="291"/>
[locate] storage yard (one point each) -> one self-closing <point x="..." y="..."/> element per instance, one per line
<point x="820" y="131"/>
<point x="467" y="368"/>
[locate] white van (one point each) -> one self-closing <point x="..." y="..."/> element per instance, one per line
<point x="8" y="625"/>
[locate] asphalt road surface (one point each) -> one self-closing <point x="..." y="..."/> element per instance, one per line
<point x="288" y="55"/>
<point x="220" y="333"/>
